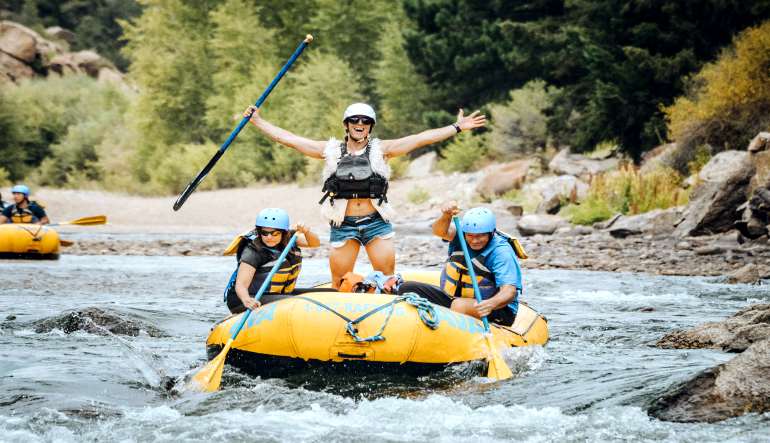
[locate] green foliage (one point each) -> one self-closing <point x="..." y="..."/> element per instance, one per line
<point x="519" y="126"/>
<point x="615" y="61"/>
<point x="700" y="157"/>
<point x="465" y="153"/>
<point x="398" y="167"/>
<point x="728" y="101"/>
<point x="417" y="195"/>
<point x="628" y="192"/>
<point x="403" y="94"/>
<point x="350" y="30"/>
<point x="50" y="121"/>
<point x="5" y="177"/>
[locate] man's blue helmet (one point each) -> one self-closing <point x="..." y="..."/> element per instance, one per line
<point x="275" y="218"/>
<point x="478" y="221"/>
<point x="20" y="189"/>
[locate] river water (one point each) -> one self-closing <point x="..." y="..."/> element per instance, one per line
<point x="592" y="382"/>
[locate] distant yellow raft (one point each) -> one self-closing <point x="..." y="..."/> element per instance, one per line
<point x="298" y="333"/>
<point x="21" y="240"/>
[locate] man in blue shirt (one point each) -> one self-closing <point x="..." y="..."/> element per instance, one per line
<point x="494" y="261"/>
<point x="23" y="210"/>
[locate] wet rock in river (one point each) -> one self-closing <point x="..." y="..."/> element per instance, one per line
<point x="96" y="321"/>
<point x="737" y="387"/>
<point x="733" y="334"/>
<point x="750" y="273"/>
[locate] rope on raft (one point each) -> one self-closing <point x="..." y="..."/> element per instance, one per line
<point x="425" y="309"/>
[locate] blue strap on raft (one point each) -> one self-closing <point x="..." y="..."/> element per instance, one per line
<point x="425" y="309"/>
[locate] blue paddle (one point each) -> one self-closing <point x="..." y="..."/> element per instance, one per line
<point x="210" y="165"/>
<point x="210" y="376"/>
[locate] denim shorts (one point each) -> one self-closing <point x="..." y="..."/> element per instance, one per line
<point x="363" y="228"/>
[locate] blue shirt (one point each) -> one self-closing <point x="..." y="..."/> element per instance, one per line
<point x="498" y="256"/>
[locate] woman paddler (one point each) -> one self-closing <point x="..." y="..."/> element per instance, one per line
<point x="257" y="252"/>
<point x="356" y="177"/>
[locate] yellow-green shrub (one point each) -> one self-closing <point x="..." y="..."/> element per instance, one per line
<point x="627" y="191"/>
<point x="728" y="101"/>
<point x="465" y="153"/>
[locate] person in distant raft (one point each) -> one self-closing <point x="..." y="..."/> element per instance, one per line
<point x="494" y="261"/>
<point x="356" y="182"/>
<point x="23" y="210"/>
<point x="257" y="252"/>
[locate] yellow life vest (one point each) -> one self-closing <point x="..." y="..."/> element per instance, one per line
<point x="24" y="215"/>
<point x="456" y="280"/>
<point x="285" y="278"/>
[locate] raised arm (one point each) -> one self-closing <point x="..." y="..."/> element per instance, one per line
<point x="443" y="227"/>
<point x="405" y="145"/>
<point x="308" y="147"/>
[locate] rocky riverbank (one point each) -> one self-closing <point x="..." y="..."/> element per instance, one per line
<point x="740" y="386"/>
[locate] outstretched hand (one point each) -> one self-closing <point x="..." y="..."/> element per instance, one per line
<point x="473" y="121"/>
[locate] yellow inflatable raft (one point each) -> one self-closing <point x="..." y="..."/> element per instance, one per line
<point x="344" y="330"/>
<point x="21" y="240"/>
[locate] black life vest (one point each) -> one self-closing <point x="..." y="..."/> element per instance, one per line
<point x="283" y="281"/>
<point x="24" y="215"/>
<point x="354" y="178"/>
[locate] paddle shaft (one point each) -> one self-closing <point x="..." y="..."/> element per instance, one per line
<point x="210" y="165"/>
<point x="469" y="264"/>
<point x="266" y="283"/>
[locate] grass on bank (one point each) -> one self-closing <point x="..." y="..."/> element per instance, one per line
<point x="628" y="192"/>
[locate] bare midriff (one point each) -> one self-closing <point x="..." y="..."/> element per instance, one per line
<point x="359" y="206"/>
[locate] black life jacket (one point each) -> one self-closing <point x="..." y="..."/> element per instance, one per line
<point x="283" y="281"/>
<point x="354" y="178"/>
<point x="24" y="215"/>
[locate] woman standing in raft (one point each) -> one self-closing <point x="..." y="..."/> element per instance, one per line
<point x="356" y="182"/>
<point x="257" y="253"/>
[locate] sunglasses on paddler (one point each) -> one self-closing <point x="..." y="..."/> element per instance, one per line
<point x="274" y="233"/>
<point x="359" y="119"/>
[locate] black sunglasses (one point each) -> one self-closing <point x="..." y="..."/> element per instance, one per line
<point x="274" y="233"/>
<point x="359" y="119"/>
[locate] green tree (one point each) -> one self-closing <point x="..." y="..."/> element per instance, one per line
<point x="519" y="126"/>
<point x="403" y="93"/>
<point x="616" y="61"/>
<point x="168" y="46"/>
<point x="728" y="101"/>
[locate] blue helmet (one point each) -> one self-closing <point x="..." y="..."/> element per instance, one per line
<point x="479" y="221"/>
<point x="275" y="218"/>
<point x="20" y="189"/>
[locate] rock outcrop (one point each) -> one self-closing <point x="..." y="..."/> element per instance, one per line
<point x="733" y="334"/>
<point x="566" y="163"/>
<point x="96" y="321"/>
<point x="533" y="224"/>
<point x="655" y="222"/>
<point x="25" y="54"/>
<point x="714" y="204"/>
<point x="737" y="387"/>
<point x="422" y="166"/>
<point x="503" y="178"/>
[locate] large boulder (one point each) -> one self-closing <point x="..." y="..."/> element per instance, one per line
<point x="18" y="41"/>
<point x="422" y="166"/>
<point x="86" y="62"/>
<point x="661" y="156"/>
<point x="737" y="387"/>
<point x="761" y="142"/>
<point x="13" y="70"/>
<point x="96" y="321"/>
<point x="61" y="34"/>
<point x="713" y="205"/>
<point x="533" y="224"/>
<point x="553" y="190"/>
<point x="655" y="222"/>
<point x="503" y="178"/>
<point x="579" y="165"/>
<point x="734" y="334"/>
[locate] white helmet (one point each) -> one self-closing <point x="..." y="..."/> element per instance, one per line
<point x="359" y="109"/>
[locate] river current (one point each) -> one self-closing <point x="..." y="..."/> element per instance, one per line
<point x="592" y="382"/>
